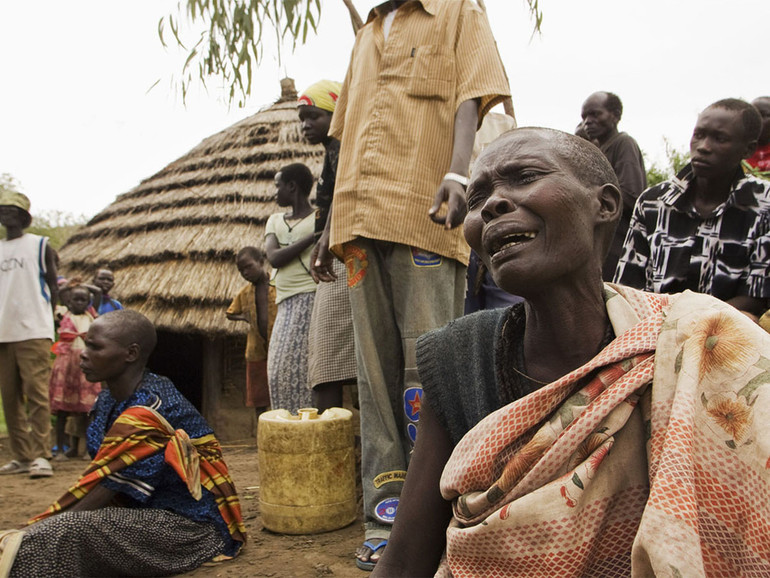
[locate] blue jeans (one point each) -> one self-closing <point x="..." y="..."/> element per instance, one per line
<point x="397" y="293"/>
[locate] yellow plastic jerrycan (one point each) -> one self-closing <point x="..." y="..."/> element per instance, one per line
<point x="307" y="470"/>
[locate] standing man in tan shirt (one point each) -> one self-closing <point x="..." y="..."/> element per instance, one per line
<point x="422" y="75"/>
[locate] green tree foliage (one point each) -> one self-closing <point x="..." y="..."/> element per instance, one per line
<point x="230" y="44"/>
<point x="9" y="183"/>
<point x="58" y="226"/>
<point x="676" y="160"/>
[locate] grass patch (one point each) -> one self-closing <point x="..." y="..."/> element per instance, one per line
<point x="3" y="430"/>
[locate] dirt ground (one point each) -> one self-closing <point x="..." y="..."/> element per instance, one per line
<point x="266" y="554"/>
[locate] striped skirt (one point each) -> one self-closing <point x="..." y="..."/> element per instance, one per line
<point x="287" y="354"/>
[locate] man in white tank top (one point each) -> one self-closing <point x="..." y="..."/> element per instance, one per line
<point x="28" y="293"/>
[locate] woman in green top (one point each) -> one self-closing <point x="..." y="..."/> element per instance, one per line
<point x="288" y="244"/>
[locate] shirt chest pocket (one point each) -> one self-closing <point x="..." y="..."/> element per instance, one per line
<point x="432" y="72"/>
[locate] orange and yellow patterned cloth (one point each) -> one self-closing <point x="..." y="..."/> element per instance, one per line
<point x="140" y="432"/>
<point x="657" y="465"/>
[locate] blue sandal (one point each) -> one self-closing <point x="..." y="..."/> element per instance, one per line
<point x="369" y="565"/>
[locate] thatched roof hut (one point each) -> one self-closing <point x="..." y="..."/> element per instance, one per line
<point x="172" y="240"/>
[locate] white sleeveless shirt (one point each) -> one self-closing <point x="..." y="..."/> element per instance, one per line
<point x="25" y="299"/>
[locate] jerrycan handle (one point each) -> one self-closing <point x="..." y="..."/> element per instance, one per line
<point x="308" y="413"/>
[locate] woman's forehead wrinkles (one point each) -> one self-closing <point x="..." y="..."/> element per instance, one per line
<point x="514" y="164"/>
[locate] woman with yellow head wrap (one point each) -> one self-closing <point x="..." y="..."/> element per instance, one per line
<point x="332" y="354"/>
<point x="323" y="94"/>
<point x="315" y="107"/>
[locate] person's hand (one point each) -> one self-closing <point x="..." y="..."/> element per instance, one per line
<point x="321" y="260"/>
<point x="453" y="194"/>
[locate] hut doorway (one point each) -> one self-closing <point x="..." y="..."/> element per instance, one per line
<point x="179" y="357"/>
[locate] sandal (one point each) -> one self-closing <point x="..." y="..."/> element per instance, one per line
<point x="15" y="467"/>
<point x="369" y="564"/>
<point x="40" y="468"/>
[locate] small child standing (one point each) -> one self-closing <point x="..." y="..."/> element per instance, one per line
<point x="255" y="305"/>
<point x="105" y="281"/>
<point x="69" y="390"/>
<point x="288" y="243"/>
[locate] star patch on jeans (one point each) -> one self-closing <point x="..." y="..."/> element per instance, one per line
<point x="412" y="403"/>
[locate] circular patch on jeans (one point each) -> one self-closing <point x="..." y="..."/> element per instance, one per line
<point x="385" y="511"/>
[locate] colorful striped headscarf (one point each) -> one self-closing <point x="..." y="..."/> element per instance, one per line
<point x="323" y="94"/>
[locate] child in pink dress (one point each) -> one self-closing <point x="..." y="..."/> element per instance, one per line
<point x="70" y="392"/>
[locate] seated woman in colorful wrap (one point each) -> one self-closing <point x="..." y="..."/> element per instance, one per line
<point x="157" y="498"/>
<point x="593" y="430"/>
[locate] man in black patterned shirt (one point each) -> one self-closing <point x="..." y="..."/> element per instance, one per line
<point x="707" y="229"/>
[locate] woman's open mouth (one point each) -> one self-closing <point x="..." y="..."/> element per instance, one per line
<point x="509" y="241"/>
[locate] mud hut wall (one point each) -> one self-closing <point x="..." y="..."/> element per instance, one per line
<point x="237" y="422"/>
<point x="224" y="389"/>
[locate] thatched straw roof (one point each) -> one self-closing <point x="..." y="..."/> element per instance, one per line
<point x="172" y="240"/>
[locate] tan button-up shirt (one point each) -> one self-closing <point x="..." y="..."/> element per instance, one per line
<point x="395" y="120"/>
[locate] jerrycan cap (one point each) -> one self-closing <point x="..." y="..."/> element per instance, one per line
<point x="306" y="413"/>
